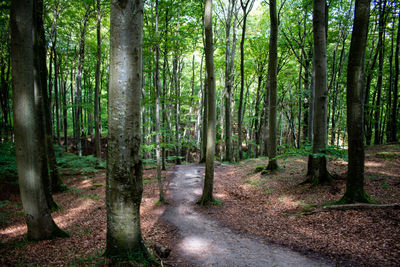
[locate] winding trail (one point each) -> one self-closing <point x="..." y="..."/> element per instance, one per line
<point x="205" y="243"/>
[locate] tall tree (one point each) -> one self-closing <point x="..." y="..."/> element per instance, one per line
<point x="319" y="172"/>
<point x="26" y="81"/>
<point x="124" y="166"/>
<point x="97" y="137"/>
<point x="50" y="175"/>
<point x="377" y="109"/>
<point x="355" y="105"/>
<point x="230" y="23"/>
<point x="247" y="6"/>
<point x="158" y="124"/>
<point x="393" y="130"/>
<point x="207" y="196"/>
<point x="272" y="73"/>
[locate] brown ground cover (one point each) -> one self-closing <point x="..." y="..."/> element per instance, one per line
<point x="272" y="206"/>
<point x="83" y="216"/>
<point x="276" y="207"/>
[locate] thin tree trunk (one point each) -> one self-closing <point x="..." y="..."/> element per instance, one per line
<point x="157" y="126"/>
<point x="395" y="87"/>
<point x="382" y="24"/>
<point x="97" y="134"/>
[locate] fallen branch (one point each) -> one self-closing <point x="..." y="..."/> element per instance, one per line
<point x="362" y="206"/>
<point x="357" y="206"/>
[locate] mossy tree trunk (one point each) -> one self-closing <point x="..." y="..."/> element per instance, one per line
<point x="355" y="106"/>
<point x="124" y="184"/>
<point x="26" y="87"/>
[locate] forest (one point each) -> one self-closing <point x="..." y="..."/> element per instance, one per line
<point x="199" y="133"/>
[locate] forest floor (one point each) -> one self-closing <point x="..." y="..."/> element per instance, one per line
<point x="271" y="209"/>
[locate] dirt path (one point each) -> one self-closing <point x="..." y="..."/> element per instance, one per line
<point x="205" y="243"/>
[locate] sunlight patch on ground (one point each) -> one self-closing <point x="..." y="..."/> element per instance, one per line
<point x="72" y="215"/>
<point x="221" y="196"/>
<point x="13" y="231"/>
<point x="288" y="201"/>
<point x="373" y="164"/>
<point x="194" y="244"/>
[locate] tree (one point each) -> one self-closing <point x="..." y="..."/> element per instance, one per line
<point x="246" y="7"/>
<point x="207" y="196"/>
<point x="97" y="137"/>
<point x="355" y="106"/>
<point x="319" y="172"/>
<point x="158" y="124"/>
<point x="124" y="166"/>
<point x="26" y="87"/>
<point x="272" y="73"/>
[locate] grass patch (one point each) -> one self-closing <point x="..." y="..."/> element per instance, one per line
<point x="387" y="155"/>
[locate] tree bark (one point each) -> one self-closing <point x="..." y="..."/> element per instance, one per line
<point x="97" y="134"/>
<point x="78" y="85"/>
<point x="395" y="87"/>
<point x="124" y="166"/>
<point x="246" y="10"/>
<point x="355" y="106"/>
<point x="27" y="133"/>
<point x="157" y="117"/>
<point x="319" y="173"/>
<point x="382" y="23"/>
<point x="272" y="73"/>
<point x="207" y="196"/>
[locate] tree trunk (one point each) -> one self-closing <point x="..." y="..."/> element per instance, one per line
<point x="382" y="23"/>
<point x="319" y="173"/>
<point x="355" y="113"/>
<point x="207" y="196"/>
<point x="124" y="167"/>
<point x="26" y="80"/>
<point x="157" y="128"/>
<point x="78" y="86"/>
<point x="395" y="87"/>
<point x="97" y="134"/>
<point x="240" y="109"/>
<point x="272" y="75"/>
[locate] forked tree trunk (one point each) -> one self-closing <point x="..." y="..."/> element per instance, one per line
<point x="27" y="139"/>
<point x="355" y="106"/>
<point x="124" y="185"/>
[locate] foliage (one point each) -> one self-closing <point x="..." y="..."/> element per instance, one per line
<point x="75" y="164"/>
<point x="8" y="164"/>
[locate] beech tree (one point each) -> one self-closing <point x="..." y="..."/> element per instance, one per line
<point x="26" y="107"/>
<point x="124" y="184"/>
<point x="207" y="196"/>
<point x="272" y="73"/>
<point x="319" y="172"/>
<point x="355" y="106"/>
